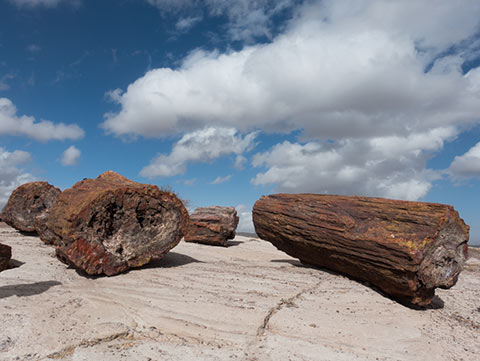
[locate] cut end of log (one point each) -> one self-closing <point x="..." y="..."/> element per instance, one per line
<point x="27" y="202"/>
<point x="444" y="259"/>
<point x="212" y="225"/>
<point x="110" y="224"/>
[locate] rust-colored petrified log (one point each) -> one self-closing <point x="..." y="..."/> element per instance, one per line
<point x="406" y="249"/>
<point x="212" y="225"/>
<point x="110" y="224"/>
<point x="27" y="202"/>
<point x="5" y="256"/>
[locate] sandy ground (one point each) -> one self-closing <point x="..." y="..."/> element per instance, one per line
<point x="245" y="302"/>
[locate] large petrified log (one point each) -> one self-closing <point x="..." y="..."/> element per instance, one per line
<point x="212" y="225"/>
<point x="27" y="202"/>
<point x="406" y="249"/>
<point x="5" y="256"/>
<point x="110" y="224"/>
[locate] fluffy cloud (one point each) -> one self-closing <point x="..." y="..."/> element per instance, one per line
<point x="220" y="180"/>
<point x="392" y="167"/>
<point x="467" y="165"/>
<point x="334" y="79"/>
<point x="200" y="146"/>
<point x="12" y="124"/>
<point x="70" y="156"/>
<point x="11" y="175"/>
<point x="375" y="87"/>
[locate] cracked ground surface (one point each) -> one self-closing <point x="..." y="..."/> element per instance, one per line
<point x="245" y="302"/>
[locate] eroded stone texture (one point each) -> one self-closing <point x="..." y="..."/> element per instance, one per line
<point x="27" y="202"/>
<point x="212" y="225"/>
<point x="406" y="249"/>
<point x="110" y="224"/>
<point x="5" y="256"/>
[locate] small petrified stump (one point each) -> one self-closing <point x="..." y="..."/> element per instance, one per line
<point x="110" y="224"/>
<point x="406" y="249"/>
<point x="5" y="256"/>
<point x="27" y="202"/>
<point x="212" y="225"/>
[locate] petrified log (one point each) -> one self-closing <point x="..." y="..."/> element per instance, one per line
<point x="5" y="256"/>
<point x="110" y="224"/>
<point x="27" y="202"/>
<point x="212" y="225"/>
<point x="406" y="249"/>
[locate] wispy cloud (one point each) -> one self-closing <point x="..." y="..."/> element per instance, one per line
<point x="4" y="81"/>
<point x="33" y="48"/>
<point x="220" y="180"/>
<point x="185" y="24"/>
<point x="45" y="3"/>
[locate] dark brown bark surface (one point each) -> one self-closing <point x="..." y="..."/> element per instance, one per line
<point x="110" y="224"/>
<point x="27" y="202"/>
<point x="212" y="225"/>
<point x="5" y="256"/>
<point x="406" y="249"/>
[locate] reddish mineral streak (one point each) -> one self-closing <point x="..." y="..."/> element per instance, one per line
<point x="110" y="224"/>
<point x="406" y="249"/>
<point x="27" y="203"/>
<point x="212" y="225"/>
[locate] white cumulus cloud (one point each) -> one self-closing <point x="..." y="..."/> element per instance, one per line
<point x="199" y="146"/>
<point x="11" y="176"/>
<point x="44" y="130"/>
<point x="70" y="156"/>
<point x="392" y="167"/>
<point x="467" y="165"/>
<point x="367" y="83"/>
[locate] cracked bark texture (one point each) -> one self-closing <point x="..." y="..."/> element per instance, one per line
<point x="110" y="224"/>
<point x="406" y="249"/>
<point x="5" y="256"/>
<point x="212" y="225"/>
<point x="27" y="203"/>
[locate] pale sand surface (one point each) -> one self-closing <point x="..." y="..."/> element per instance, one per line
<point x="245" y="302"/>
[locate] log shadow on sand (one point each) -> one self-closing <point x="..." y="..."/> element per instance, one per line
<point x="170" y="260"/>
<point x="28" y="289"/>
<point x="437" y="302"/>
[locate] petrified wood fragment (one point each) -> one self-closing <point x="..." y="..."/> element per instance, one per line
<point x="406" y="249"/>
<point x="110" y="224"/>
<point x="27" y="202"/>
<point x="212" y="225"/>
<point x="5" y="256"/>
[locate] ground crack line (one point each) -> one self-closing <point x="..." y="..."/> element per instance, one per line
<point x="69" y="350"/>
<point x="289" y="302"/>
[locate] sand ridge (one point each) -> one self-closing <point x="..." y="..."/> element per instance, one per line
<point x="245" y="302"/>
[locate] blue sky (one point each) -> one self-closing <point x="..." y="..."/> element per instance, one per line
<point x="225" y="101"/>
